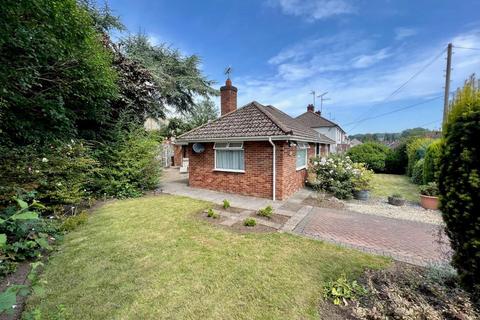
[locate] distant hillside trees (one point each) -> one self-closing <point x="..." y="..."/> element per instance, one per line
<point x="389" y="137"/>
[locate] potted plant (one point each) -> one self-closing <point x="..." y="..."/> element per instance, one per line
<point x="396" y="199"/>
<point x="361" y="181"/>
<point x="429" y="196"/>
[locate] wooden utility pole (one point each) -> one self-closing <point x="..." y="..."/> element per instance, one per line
<point x="447" y="83"/>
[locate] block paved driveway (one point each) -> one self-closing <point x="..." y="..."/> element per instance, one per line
<point x="403" y="240"/>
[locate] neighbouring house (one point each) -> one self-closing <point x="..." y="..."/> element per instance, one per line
<point x="330" y="129"/>
<point x="255" y="150"/>
<point x="355" y="142"/>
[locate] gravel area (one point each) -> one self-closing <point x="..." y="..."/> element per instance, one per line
<point x="409" y="211"/>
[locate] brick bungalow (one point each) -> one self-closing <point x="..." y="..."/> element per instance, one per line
<point x="255" y="150"/>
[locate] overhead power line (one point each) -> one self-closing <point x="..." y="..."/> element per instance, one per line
<point x="396" y="91"/>
<point x="395" y="110"/>
<point x="466" y="48"/>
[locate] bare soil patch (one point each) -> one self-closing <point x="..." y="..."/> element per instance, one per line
<point x="324" y="201"/>
<point x="275" y="218"/>
<point x="18" y="277"/>
<point x="258" y="228"/>
<point x="229" y="209"/>
<point x="203" y="216"/>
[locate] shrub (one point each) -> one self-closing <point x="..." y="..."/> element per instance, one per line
<point x="72" y="222"/>
<point x="60" y="173"/>
<point x="397" y="160"/>
<point x="335" y="175"/>
<point x="130" y="163"/>
<point x="23" y="233"/>
<point x="361" y="177"/>
<point x="249" y="222"/>
<point x="373" y="154"/>
<point x="459" y="185"/>
<point x="226" y="204"/>
<point x="430" y="189"/>
<point x="416" y="149"/>
<point x="212" y="214"/>
<point x="417" y="172"/>
<point x="266" y="212"/>
<point x="342" y="290"/>
<point x="431" y="164"/>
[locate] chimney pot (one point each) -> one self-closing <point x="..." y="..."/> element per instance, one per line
<point x="228" y="98"/>
<point x="318" y="112"/>
<point x="310" y="108"/>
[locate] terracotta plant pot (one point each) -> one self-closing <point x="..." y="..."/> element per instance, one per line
<point x="361" y="194"/>
<point x="428" y="202"/>
<point x="396" y="201"/>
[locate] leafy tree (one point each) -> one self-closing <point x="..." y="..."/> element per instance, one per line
<point x="373" y="154"/>
<point x="175" y="127"/>
<point x="414" y="132"/>
<point x="177" y="78"/>
<point x="459" y="184"/>
<point x="54" y="71"/>
<point x="202" y="113"/>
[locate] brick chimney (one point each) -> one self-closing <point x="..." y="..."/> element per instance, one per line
<point x="310" y="108"/>
<point x="228" y="98"/>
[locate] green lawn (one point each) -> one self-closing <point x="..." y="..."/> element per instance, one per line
<point x="151" y="258"/>
<point x="385" y="185"/>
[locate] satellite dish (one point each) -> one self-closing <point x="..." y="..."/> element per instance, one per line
<point x="198" y="147"/>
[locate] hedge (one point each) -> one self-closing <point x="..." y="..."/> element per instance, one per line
<point x="416" y="150"/>
<point x="373" y="154"/>
<point x="417" y="172"/>
<point x="459" y="185"/>
<point x="431" y="164"/>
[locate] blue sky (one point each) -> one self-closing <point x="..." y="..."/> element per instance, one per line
<point x="360" y="51"/>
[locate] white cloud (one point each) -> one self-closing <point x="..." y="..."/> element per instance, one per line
<point x="154" y="39"/>
<point x="314" y="9"/>
<point x="402" y="33"/>
<point x="341" y="69"/>
<point x="367" y="60"/>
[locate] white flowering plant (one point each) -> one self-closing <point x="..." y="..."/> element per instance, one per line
<point x="339" y="175"/>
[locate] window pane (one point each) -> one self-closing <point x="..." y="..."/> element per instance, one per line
<point x="229" y="159"/>
<point x="301" y="158"/>
<point x="235" y="145"/>
<point x="219" y="145"/>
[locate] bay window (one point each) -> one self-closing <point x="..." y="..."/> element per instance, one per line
<point x="229" y="156"/>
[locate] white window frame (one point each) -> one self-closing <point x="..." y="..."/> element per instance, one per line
<point x="302" y="146"/>
<point x="227" y="146"/>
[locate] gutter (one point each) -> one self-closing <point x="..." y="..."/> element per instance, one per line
<point x="181" y="141"/>
<point x="274" y="169"/>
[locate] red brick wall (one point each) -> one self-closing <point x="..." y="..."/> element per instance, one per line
<point x="177" y="155"/>
<point x="257" y="179"/>
<point x="288" y="177"/>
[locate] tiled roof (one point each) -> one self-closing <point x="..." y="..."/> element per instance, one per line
<point x="314" y="120"/>
<point x="253" y="121"/>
